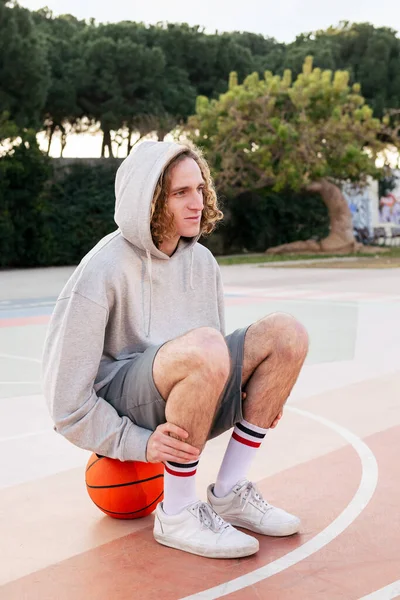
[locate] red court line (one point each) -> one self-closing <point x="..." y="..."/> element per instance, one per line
<point x="44" y="319"/>
<point x="20" y="321"/>
<point x="229" y="301"/>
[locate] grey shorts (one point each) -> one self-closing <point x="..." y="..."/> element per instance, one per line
<point x="133" y="393"/>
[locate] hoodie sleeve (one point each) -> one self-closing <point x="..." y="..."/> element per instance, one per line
<point x="72" y="354"/>
<point x="221" y="301"/>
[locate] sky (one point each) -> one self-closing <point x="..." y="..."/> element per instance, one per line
<point x="281" y="19"/>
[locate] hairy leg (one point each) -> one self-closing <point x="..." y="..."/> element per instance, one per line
<point x="190" y="373"/>
<point x="274" y="352"/>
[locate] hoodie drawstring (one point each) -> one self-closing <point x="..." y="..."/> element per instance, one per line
<point x="191" y="268"/>
<point x="149" y="269"/>
<point x="150" y="272"/>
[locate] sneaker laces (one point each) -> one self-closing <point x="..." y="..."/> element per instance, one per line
<point x="249" y="493"/>
<point x="209" y="519"/>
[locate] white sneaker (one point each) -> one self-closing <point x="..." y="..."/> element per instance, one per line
<point x="199" y="530"/>
<point x="245" y="507"/>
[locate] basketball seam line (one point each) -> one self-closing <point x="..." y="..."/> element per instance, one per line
<point x="132" y="512"/>
<point x="115" y="485"/>
<point x="94" y="462"/>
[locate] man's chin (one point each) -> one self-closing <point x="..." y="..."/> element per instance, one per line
<point x="190" y="232"/>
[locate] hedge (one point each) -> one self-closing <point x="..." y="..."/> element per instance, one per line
<point x="52" y="213"/>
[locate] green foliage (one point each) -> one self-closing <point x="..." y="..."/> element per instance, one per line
<point x="8" y="129"/>
<point x="52" y="216"/>
<point x="78" y="212"/>
<point x="270" y="132"/>
<point x="387" y="184"/>
<point x="120" y="77"/>
<point x="24" y="70"/>
<point x="263" y="218"/>
<point x="57" y="222"/>
<point x="267" y="53"/>
<point x="268" y="137"/>
<point x="67" y="69"/>
<point x="370" y="54"/>
<point x="24" y="171"/>
<point x="207" y="59"/>
<point x="61" y="73"/>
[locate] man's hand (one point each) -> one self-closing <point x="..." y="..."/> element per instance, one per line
<point x="161" y="446"/>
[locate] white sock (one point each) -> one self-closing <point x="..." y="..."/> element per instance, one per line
<point x="179" y="486"/>
<point x="245" y="440"/>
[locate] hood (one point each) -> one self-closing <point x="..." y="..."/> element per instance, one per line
<point x="135" y="182"/>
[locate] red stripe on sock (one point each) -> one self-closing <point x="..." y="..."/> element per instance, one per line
<point x="244" y="441"/>
<point x="179" y="473"/>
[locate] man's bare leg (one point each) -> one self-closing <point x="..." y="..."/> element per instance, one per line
<point x="274" y="351"/>
<point x="190" y="373"/>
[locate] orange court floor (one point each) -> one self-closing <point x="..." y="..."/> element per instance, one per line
<point x="333" y="460"/>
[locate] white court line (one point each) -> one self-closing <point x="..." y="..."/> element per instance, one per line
<point x="297" y="300"/>
<point x="368" y="483"/>
<point x="309" y="294"/>
<point x="36" y="360"/>
<point x="21" y="436"/>
<point x="261" y="292"/>
<point x="387" y="593"/>
<point x="18" y="382"/>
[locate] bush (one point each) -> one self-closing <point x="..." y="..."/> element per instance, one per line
<point x="255" y="221"/>
<point x="79" y="211"/>
<point x="54" y="216"/>
<point x="24" y="171"/>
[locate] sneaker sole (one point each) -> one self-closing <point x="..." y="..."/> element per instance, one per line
<point x="207" y="552"/>
<point x="284" y="532"/>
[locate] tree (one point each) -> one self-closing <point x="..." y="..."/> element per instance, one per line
<point x="267" y="53"/>
<point x="311" y="134"/>
<point x="206" y="59"/>
<point x="370" y="54"/>
<point x="8" y="131"/>
<point x="61" y="110"/>
<point x="24" y="70"/>
<point x="123" y="81"/>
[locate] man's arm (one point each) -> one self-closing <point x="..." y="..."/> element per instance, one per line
<point x="72" y="354"/>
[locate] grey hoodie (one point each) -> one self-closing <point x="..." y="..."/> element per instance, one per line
<point x="124" y="296"/>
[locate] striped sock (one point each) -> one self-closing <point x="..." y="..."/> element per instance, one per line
<point x="245" y="440"/>
<point x="179" y="486"/>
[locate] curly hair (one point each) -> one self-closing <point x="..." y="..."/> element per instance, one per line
<point x="161" y="220"/>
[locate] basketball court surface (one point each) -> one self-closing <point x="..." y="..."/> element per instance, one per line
<point x="333" y="460"/>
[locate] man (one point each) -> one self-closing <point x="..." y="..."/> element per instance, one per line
<point x="136" y="366"/>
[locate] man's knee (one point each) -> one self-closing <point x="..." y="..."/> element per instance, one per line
<point x="206" y="349"/>
<point x="202" y="351"/>
<point x="286" y="335"/>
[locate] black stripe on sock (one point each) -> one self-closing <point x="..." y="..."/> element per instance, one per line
<point x="183" y="466"/>
<point x="250" y="431"/>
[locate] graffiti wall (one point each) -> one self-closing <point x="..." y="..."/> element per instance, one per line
<point x="363" y="204"/>
<point x="389" y="205"/>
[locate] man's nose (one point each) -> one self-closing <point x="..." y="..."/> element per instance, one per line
<point x="196" y="201"/>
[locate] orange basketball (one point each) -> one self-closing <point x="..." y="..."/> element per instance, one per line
<point x="124" y="490"/>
